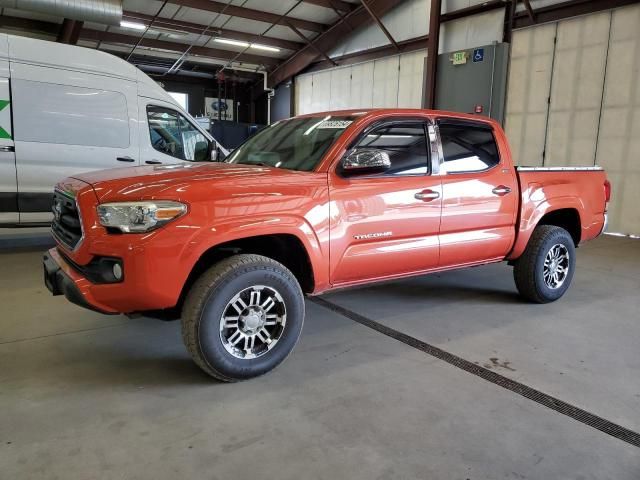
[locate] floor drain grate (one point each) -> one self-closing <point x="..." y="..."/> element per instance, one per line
<point x="599" y="423"/>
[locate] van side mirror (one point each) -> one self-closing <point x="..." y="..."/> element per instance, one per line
<point x="214" y="152"/>
<point x="366" y="160"/>
<point x="200" y="151"/>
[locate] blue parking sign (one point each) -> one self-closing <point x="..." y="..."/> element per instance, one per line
<point x="478" y="55"/>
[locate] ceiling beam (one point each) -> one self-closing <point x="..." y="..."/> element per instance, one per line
<point x="220" y="54"/>
<point x="329" y="39"/>
<point x="250" y="14"/>
<point x="527" y="6"/>
<point x="197" y="28"/>
<point x="70" y="31"/>
<point x="37" y="26"/>
<point x="472" y="10"/>
<point x="332" y="4"/>
<point x="572" y="8"/>
<point x="380" y="24"/>
<point x="311" y="44"/>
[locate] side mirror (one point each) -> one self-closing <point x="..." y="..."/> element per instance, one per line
<point x="214" y="153"/>
<point x="200" y="151"/>
<point x="366" y="160"/>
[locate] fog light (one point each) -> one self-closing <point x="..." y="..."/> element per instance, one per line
<point x="117" y="271"/>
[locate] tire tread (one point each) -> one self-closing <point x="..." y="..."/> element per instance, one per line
<point x="212" y="279"/>
<point x="524" y="272"/>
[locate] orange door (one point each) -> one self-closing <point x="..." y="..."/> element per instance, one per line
<point x="386" y="223"/>
<point x="479" y="195"/>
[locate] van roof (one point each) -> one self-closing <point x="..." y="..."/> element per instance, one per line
<point x="42" y="52"/>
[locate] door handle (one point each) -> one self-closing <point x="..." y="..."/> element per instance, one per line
<point x="501" y="190"/>
<point x="427" y="195"/>
<point x="7" y="148"/>
<point x="153" y="162"/>
<point x="125" y="159"/>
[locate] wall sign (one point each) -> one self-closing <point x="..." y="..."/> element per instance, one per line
<point x="459" y="58"/>
<point x="478" y="55"/>
<point x="214" y="107"/>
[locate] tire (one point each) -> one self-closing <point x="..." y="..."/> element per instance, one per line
<point x="274" y="304"/>
<point x="529" y="270"/>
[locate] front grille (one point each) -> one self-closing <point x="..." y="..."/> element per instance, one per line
<point x="66" y="220"/>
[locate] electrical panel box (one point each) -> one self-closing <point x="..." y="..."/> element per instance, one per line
<point x="474" y="80"/>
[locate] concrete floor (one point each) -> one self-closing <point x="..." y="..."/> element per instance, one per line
<point x="84" y="396"/>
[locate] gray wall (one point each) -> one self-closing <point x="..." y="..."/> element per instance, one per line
<point x="281" y="102"/>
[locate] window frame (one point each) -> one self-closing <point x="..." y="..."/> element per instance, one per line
<point x="466" y="123"/>
<point x="425" y="122"/>
<point x="179" y="115"/>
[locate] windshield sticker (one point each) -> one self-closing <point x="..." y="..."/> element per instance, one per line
<point x="335" y="124"/>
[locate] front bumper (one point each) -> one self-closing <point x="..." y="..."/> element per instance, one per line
<point x="59" y="282"/>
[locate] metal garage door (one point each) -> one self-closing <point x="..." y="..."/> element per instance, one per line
<point x="574" y="99"/>
<point x="619" y="135"/>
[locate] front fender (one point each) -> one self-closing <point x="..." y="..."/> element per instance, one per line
<point x="257" y="225"/>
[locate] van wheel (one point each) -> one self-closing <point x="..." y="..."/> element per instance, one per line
<point x="242" y="317"/>
<point x="544" y="271"/>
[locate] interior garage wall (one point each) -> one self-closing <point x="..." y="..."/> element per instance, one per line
<point x="410" y="20"/>
<point x="574" y="99"/>
<point x="394" y="81"/>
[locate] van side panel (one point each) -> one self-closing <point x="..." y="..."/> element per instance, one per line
<point x="8" y="186"/>
<point x="74" y="122"/>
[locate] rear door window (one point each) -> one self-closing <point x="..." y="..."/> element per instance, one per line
<point x="468" y="148"/>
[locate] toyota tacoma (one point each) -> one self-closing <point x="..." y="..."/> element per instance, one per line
<point x="311" y="204"/>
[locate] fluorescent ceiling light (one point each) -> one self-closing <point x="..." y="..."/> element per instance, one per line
<point x="264" y="47"/>
<point x="133" y="25"/>
<point x="237" y="43"/>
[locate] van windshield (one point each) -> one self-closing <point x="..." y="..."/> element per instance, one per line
<point x="294" y="144"/>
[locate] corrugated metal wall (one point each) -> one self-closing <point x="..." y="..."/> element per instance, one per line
<point x="395" y="81"/>
<point x="388" y="82"/>
<point x="576" y="101"/>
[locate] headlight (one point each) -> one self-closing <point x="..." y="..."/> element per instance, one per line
<point x="135" y="217"/>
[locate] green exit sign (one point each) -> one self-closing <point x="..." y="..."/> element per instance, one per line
<point x="459" y="58"/>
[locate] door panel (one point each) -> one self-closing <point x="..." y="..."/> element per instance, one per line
<point x="380" y="229"/>
<point x="385" y="225"/>
<point x="478" y="207"/>
<point x="72" y="123"/>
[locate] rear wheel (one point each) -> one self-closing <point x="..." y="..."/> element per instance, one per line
<point x="242" y="317"/>
<point x="544" y="271"/>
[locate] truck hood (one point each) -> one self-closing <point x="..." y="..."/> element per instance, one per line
<point x="182" y="180"/>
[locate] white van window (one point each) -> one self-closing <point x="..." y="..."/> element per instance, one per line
<point x="172" y="134"/>
<point x="62" y="114"/>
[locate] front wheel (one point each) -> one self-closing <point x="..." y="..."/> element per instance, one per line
<point x="544" y="271"/>
<point x="242" y="317"/>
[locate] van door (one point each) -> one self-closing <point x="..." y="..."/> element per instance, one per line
<point x="8" y="184"/>
<point x="167" y="136"/>
<point x="71" y="123"/>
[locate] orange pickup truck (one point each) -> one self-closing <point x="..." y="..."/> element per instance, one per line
<point x="311" y="204"/>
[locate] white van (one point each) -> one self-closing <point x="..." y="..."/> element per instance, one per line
<point x="67" y="109"/>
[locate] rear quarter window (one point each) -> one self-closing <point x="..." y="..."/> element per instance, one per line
<point x="468" y="148"/>
<point x="62" y="114"/>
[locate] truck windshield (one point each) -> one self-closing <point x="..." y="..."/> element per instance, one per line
<point x="295" y="144"/>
